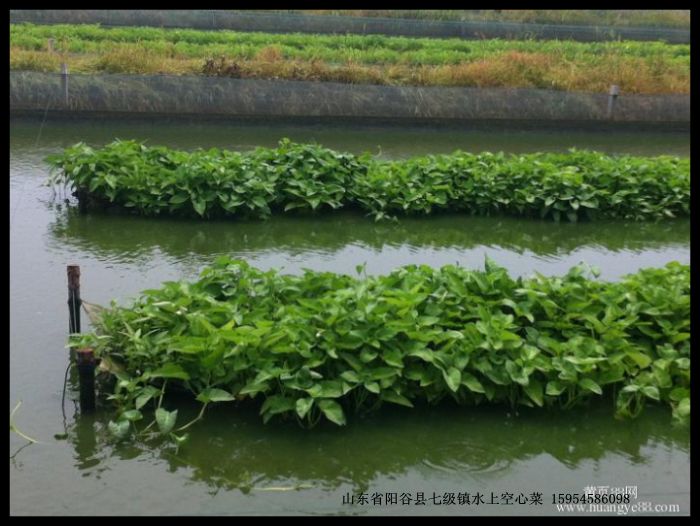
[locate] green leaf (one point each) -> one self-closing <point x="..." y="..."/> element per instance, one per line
<point x="333" y="411"/>
<point x="534" y="391"/>
<point x="352" y="361"/>
<point x="393" y="357"/>
<point x="453" y="378"/>
<point x="179" y="440"/>
<point x="276" y="404"/>
<point x="169" y="370"/>
<point x="287" y="207"/>
<point x="683" y="408"/>
<point x="490" y="265"/>
<point x="683" y="363"/>
<point x="641" y="359"/>
<point x="303" y="406"/>
<point x="590" y="385"/>
<point x="372" y="387"/>
<point x="178" y="199"/>
<point x="200" y="206"/>
<point x="395" y="398"/>
<point x="380" y="373"/>
<point x="472" y="383"/>
<point x="326" y="389"/>
<point x="680" y="337"/>
<point x="555" y="388"/>
<point x="165" y="420"/>
<point x="132" y="415"/>
<point x="259" y="202"/>
<point x="350" y="376"/>
<point x="679" y="393"/>
<point x="119" y="429"/>
<point x="651" y="391"/>
<point x="214" y="395"/>
<point x="148" y="393"/>
<point x="254" y="388"/>
<point x="424" y="354"/>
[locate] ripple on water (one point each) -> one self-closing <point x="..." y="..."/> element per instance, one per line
<point x="466" y="457"/>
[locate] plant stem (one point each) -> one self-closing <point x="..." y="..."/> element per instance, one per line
<point x="197" y="419"/>
<point x="13" y="426"/>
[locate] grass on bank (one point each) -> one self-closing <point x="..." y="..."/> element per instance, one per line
<point x="649" y="68"/>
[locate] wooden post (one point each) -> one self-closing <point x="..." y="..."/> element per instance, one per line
<point x="612" y="97"/>
<point x="85" y="360"/>
<point x="73" y="299"/>
<point x="49" y="44"/>
<point x="64" y="81"/>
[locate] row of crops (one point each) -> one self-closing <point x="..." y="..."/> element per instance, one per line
<point x="372" y="49"/>
<point x="677" y="18"/>
<point x="637" y="67"/>
<point x="323" y="345"/>
<point x="309" y="178"/>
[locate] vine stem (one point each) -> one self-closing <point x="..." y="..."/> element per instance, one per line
<point x="197" y="419"/>
<point x="160" y="402"/>
<point x="162" y="393"/>
<point x="13" y="426"/>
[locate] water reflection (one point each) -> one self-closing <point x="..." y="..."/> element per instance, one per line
<point x="131" y="238"/>
<point x="387" y="142"/>
<point x="233" y="450"/>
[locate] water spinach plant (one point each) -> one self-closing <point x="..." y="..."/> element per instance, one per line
<point x="308" y="177"/>
<point x="324" y="345"/>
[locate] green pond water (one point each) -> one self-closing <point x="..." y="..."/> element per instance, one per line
<point x="235" y="464"/>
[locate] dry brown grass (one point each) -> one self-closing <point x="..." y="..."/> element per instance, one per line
<point x="510" y="69"/>
<point x="34" y="60"/>
<point x="133" y="59"/>
<point x="270" y="53"/>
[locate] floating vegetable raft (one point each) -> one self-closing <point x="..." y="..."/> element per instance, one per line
<point x="217" y="183"/>
<point x="325" y="345"/>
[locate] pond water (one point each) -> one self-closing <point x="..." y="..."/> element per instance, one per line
<point x="234" y="464"/>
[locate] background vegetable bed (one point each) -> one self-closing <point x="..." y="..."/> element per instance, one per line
<point x="638" y="68"/>
<point x="578" y="184"/>
<point x="323" y="344"/>
<point x="622" y="17"/>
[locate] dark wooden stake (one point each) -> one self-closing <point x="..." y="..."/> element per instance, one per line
<point x="85" y="359"/>
<point x="73" y="299"/>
